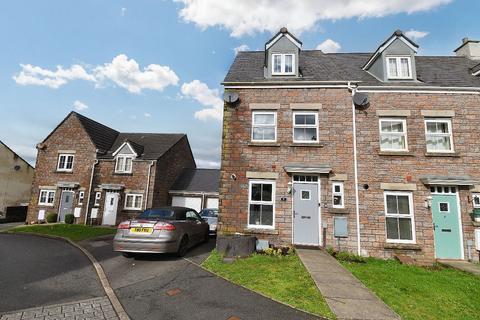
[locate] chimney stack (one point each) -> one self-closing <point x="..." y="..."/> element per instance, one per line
<point x="469" y="49"/>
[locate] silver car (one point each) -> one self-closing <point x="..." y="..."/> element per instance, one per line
<point x="161" y="230"/>
<point x="211" y="216"/>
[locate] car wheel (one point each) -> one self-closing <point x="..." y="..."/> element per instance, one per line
<point x="128" y="254"/>
<point x="183" y="247"/>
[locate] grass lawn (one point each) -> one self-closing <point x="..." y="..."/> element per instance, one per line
<point x="282" y="278"/>
<point x="421" y="293"/>
<point x="74" y="232"/>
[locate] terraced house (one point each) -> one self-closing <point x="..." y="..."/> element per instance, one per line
<point x="376" y="153"/>
<point x="103" y="176"/>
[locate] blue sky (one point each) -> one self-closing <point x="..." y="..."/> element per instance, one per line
<point x="156" y="66"/>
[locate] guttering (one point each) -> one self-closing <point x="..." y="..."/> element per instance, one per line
<point x="419" y="89"/>
<point x="90" y="189"/>
<point x="355" y="168"/>
<point x="286" y="84"/>
<point x="148" y="183"/>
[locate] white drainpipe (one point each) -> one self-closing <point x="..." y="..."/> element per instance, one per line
<point x="353" y="89"/>
<point x="90" y="189"/>
<point x="148" y="184"/>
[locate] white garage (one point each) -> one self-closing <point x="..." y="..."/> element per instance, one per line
<point x="196" y="189"/>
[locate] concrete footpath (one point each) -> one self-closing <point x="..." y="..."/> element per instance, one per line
<point x="473" y="268"/>
<point x="346" y="296"/>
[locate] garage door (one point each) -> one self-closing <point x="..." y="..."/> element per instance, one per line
<point x="189" y="202"/>
<point x="212" y="203"/>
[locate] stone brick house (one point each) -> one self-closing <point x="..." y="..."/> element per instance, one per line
<point x="103" y="176"/>
<point x="375" y="153"/>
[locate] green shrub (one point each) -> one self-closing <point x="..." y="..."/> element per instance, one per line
<point x="349" y="257"/>
<point x="331" y="251"/>
<point x="69" y="218"/>
<point x="52" y="217"/>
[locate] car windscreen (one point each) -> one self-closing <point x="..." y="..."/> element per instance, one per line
<point x="157" y="214"/>
<point x="209" y="213"/>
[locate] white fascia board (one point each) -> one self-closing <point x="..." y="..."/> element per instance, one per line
<point x="385" y="46"/>
<point x="120" y="148"/>
<point x="295" y="42"/>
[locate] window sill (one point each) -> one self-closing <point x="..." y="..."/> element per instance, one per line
<point x="476" y="223"/>
<point x="314" y="145"/>
<point x="263" y="144"/>
<point x="395" y="153"/>
<point x="46" y="205"/>
<point x="442" y="154"/>
<point x="260" y="231"/>
<point x="123" y="174"/>
<point x="402" y="246"/>
<point x="63" y="171"/>
<point x="337" y="210"/>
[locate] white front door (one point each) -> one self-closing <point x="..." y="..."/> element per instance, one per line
<point x="110" y="209"/>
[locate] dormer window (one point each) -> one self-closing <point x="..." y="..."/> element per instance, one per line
<point x="124" y="164"/>
<point x="283" y="64"/>
<point x="399" y="68"/>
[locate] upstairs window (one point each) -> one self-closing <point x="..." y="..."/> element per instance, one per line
<point x="124" y="164"/>
<point x="264" y="126"/>
<point x="65" y="162"/>
<point x="438" y="133"/>
<point x="393" y="135"/>
<point x="399" y="68"/>
<point x="283" y="64"/>
<point x="305" y="127"/>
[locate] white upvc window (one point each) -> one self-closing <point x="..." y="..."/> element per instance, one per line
<point x="399" y="220"/>
<point x="338" y="195"/>
<point x="65" y="162"/>
<point x="46" y="198"/>
<point x="476" y="200"/>
<point x="264" y="126"/>
<point x="283" y="63"/>
<point x="399" y="68"/>
<point x="81" y="196"/>
<point x="133" y="201"/>
<point x="124" y="164"/>
<point x="438" y="134"/>
<point x="393" y="134"/>
<point x="305" y="127"/>
<point x="98" y="197"/>
<point x="261" y="204"/>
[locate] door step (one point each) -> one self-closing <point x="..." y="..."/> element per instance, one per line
<point x="307" y="246"/>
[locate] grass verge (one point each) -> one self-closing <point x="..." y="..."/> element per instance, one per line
<point x="74" y="232"/>
<point x="282" y="278"/>
<point x="421" y="293"/>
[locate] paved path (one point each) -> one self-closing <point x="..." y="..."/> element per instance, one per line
<point x="93" y="309"/>
<point x="473" y="268"/>
<point x="153" y="287"/>
<point x="37" y="271"/>
<point x="346" y="295"/>
<point x="5" y="226"/>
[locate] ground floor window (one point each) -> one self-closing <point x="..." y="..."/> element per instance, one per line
<point x="399" y="217"/>
<point x="133" y="201"/>
<point x="46" y="198"/>
<point x="261" y="204"/>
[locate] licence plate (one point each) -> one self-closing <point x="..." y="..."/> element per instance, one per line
<point x="141" y="230"/>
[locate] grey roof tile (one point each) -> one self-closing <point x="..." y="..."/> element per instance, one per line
<point x="197" y="180"/>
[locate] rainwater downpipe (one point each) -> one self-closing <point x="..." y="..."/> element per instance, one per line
<point x="90" y="189"/>
<point x="148" y="184"/>
<point x="353" y="89"/>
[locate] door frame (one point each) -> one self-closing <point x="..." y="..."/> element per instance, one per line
<point x="459" y="215"/>
<point x="60" y="205"/>
<point x="105" y="207"/>
<point x="318" y="183"/>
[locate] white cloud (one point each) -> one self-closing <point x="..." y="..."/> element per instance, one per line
<point x="147" y="115"/>
<point x="126" y="73"/>
<point x="27" y="152"/>
<point x="242" y="47"/>
<point x="78" y="105"/>
<point x="33" y="75"/>
<point x="122" y="71"/>
<point x="209" y="164"/>
<point x="329" y="46"/>
<point x="207" y="97"/>
<point x="248" y="17"/>
<point x="415" y="34"/>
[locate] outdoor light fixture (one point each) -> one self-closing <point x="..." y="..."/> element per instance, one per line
<point x="289" y="188"/>
<point x="428" y="202"/>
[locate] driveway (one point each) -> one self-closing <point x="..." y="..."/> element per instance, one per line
<point x="37" y="271"/>
<point x="167" y="287"/>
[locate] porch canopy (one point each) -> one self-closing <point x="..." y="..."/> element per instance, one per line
<point x="448" y="180"/>
<point x="111" y="186"/>
<point x="307" y="168"/>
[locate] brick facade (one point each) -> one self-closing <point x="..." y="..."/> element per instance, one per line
<point x="335" y="149"/>
<point x="71" y="137"/>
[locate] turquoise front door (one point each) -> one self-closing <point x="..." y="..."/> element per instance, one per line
<point x="445" y="213"/>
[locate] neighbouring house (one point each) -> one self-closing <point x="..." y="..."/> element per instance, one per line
<point x="196" y="188"/>
<point x="375" y="153"/>
<point x="103" y="176"/>
<point x="16" y="176"/>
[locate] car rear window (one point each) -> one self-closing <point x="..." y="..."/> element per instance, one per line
<point x="157" y="214"/>
<point x="209" y="213"/>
